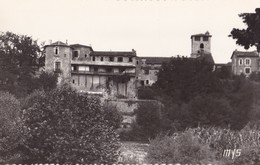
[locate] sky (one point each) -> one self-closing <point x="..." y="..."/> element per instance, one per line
<point x="152" y="27"/>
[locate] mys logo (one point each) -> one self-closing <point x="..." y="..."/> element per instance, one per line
<point x="233" y="153"/>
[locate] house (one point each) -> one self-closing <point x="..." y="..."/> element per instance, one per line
<point x="245" y="62"/>
<point x="147" y="69"/>
<point x="111" y="72"/>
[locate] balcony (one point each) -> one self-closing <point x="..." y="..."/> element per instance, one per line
<point x="103" y="73"/>
<point x="104" y="63"/>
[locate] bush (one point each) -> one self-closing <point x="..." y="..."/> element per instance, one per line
<point x="63" y="126"/>
<point x="10" y="128"/>
<point x="179" y="148"/>
<point x="113" y="116"/>
<point x="148" y="117"/>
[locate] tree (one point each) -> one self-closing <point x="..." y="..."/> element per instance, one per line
<point x="63" y="126"/>
<point x="184" y="78"/>
<point x="20" y="57"/>
<point x="10" y="129"/>
<point x="251" y="35"/>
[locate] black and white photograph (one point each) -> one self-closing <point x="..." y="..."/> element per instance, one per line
<point x="115" y="82"/>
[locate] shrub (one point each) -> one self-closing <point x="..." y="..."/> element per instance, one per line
<point x="112" y="115"/>
<point x="63" y="126"/>
<point x="148" y="117"/>
<point x="179" y="148"/>
<point x="10" y="128"/>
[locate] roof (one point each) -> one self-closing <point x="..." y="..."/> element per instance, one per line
<point x="58" y="43"/>
<point x="201" y="35"/>
<point x="244" y="54"/>
<point x="113" y="53"/>
<point x="79" y="45"/>
<point x="155" y="60"/>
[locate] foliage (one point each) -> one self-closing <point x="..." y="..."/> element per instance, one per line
<point x="112" y="115"/>
<point x="148" y="117"/>
<point x="63" y="126"/>
<point x="209" y="144"/>
<point x="10" y="128"/>
<point x="146" y="93"/>
<point x="251" y="35"/>
<point x="208" y="111"/>
<point x="20" y="57"/>
<point x="184" y="78"/>
<point x="179" y="148"/>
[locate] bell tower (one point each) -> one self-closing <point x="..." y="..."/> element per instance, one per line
<point x="200" y="44"/>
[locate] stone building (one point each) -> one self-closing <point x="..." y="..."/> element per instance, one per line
<point x="147" y="69"/>
<point x="111" y="72"/>
<point x="200" y="45"/>
<point x="244" y="62"/>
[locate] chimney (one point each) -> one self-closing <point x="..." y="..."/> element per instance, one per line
<point x="66" y="42"/>
<point x="50" y="41"/>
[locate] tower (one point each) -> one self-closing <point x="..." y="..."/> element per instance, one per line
<point x="200" y="44"/>
<point x="58" y="57"/>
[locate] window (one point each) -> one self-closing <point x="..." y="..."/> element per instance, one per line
<point x="85" y="56"/>
<point x="73" y="81"/>
<point x="202" y="46"/>
<point x="111" y="59"/>
<point x="205" y="38"/>
<point x="75" y="54"/>
<point x="147" y="81"/>
<point x="56" y="50"/>
<point x="120" y="59"/>
<point x="136" y="62"/>
<point x="247" y="61"/>
<point x="101" y="58"/>
<point x="240" y="61"/>
<point x="93" y="58"/>
<point x="65" y="55"/>
<point x="57" y="66"/>
<point x="142" y="82"/>
<point x="130" y="59"/>
<point x="197" y="38"/>
<point x="95" y="69"/>
<point x="247" y="70"/>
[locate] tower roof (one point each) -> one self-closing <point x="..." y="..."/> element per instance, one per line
<point x="202" y="35"/>
<point x="58" y="43"/>
<point x="80" y="45"/>
<point x="244" y="54"/>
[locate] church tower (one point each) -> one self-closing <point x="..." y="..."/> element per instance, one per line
<point x="58" y="59"/>
<point x="200" y="44"/>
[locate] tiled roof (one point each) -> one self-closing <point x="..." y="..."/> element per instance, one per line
<point x="79" y="45"/>
<point x="155" y="60"/>
<point x="244" y="54"/>
<point x="113" y="53"/>
<point x="201" y="35"/>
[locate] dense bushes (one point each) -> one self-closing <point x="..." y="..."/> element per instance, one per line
<point x="10" y="129"/>
<point x="63" y="126"/>
<point x="147" y="122"/>
<point x="206" y="145"/>
<point x="182" y="148"/>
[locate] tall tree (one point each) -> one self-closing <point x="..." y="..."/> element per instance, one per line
<point x="20" y="57"/>
<point x="251" y="35"/>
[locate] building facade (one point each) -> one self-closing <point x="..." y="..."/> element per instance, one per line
<point x="111" y="72"/>
<point x="200" y="45"/>
<point x="147" y="69"/>
<point x="245" y="62"/>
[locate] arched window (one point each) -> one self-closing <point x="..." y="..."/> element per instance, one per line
<point x="56" y="50"/>
<point x="202" y="46"/>
<point x="240" y="61"/>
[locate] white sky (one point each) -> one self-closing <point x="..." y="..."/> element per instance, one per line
<point x="151" y="27"/>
